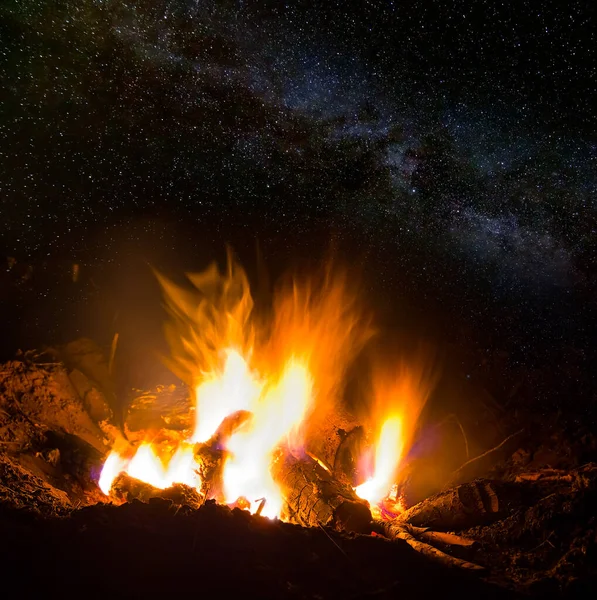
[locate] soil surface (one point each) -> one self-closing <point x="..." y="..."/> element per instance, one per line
<point x="159" y="550"/>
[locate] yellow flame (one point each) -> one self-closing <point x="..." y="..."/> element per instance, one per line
<point x="146" y="466"/>
<point x="182" y="468"/>
<point x="388" y="451"/>
<point x="224" y="393"/>
<point x="277" y="418"/>
<point x="114" y="465"/>
<point x="398" y="398"/>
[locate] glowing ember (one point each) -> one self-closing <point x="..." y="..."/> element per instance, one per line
<point x="288" y="378"/>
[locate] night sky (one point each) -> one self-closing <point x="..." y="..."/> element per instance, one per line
<point x="449" y="147"/>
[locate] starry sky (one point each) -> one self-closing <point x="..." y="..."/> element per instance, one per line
<point x="451" y="146"/>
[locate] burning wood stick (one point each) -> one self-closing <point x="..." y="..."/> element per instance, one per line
<point x="210" y="456"/>
<point x="395" y="530"/>
<point x="314" y="497"/>
<point x="336" y="443"/>
<point x="210" y="463"/>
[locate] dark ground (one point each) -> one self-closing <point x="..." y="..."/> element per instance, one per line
<point x="157" y="550"/>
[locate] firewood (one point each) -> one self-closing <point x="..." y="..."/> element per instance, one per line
<point x="313" y="497"/>
<point x="36" y="399"/>
<point x="210" y="464"/>
<point x="461" y="507"/>
<point x="579" y="477"/>
<point x="336" y="442"/>
<point x="228" y="427"/>
<point x="22" y="489"/>
<point x="350" y="447"/>
<point x="540" y="476"/>
<point x="397" y="530"/>
<point x="443" y="538"/>
<point x="210" y="456"/>
<point x="126" y="489"/>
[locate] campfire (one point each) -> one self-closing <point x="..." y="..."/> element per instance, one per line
<point x="290" y="431"/>
<point x="267" y="399"/>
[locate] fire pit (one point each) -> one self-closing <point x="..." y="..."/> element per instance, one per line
<point x="255" y="476"/>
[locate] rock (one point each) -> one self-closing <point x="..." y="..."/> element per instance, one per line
<point x="21" y="489"/>
<point x="92" y="398"/>
<point x="85" y="356"/>
<point x="35" y="399"/>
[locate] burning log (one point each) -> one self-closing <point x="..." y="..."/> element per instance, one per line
<point x="126" y="489"/>
<point x="313" y="497"/>
<point x="210" y="463"/>
<point x="210" y="455"/>
<point x="337" y="442"/>
<point x="229" y="426"/>
<point x="347" y="452"/>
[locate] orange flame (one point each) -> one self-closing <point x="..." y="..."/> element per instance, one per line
<point x="221" y="394"/>
<point x="277" y="418"/>
<point x="397" y="403"/>
<point x="388" y="451"/>
<point x="288" y="374"/>
<point x="146" y="466"/>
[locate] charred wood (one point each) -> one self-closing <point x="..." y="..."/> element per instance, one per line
<point x="21" y="489"/>
<point x="210" y="464"/>
<point x="126" y="489"/>
<point x="210" y="456"/>
<point x="313" y="497"/>
<point x="336" y="442"/>
<point x="580" y="477"/>
<point x="350" y="447"/>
